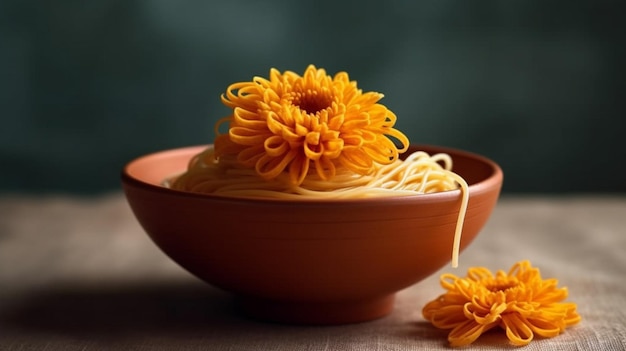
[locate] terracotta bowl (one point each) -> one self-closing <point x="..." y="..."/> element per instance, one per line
<point x="308" y="261"/>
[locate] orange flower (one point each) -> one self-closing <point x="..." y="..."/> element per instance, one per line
<point x="295" y="124"/>
<point x="519" y="302"/>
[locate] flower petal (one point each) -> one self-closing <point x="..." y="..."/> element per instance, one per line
<point x="518" y="332"/>
<point x="467" y="332"/>
<point x="444" y="317"/>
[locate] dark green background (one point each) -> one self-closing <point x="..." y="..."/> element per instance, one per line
<point x="537" y="86"/>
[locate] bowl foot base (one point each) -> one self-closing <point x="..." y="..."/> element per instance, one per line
<point x="317" y="313"/>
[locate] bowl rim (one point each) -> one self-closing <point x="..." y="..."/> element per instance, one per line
<point x="450" y="195"/>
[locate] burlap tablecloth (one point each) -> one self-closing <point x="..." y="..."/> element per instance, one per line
<point x="80" y="274"/>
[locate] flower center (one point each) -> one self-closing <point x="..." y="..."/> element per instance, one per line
<point x="501" y="284"/>
<point x="312" y="101"/>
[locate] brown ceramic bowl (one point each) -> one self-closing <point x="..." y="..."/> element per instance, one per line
<point x="308" y="261"/>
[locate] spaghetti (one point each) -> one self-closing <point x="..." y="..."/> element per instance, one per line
<point x="315" y="137"/>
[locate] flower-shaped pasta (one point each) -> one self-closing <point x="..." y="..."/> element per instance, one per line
<point x="296" y="124"/>
<point x="519" y="302"/>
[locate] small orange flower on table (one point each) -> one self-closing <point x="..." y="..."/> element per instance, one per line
<point x="520" y="302"/>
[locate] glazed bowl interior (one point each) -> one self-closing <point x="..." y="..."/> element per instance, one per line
<point x="309" y="261"/>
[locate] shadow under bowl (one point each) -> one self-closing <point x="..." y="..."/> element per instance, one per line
<point x="309" y="261"/>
